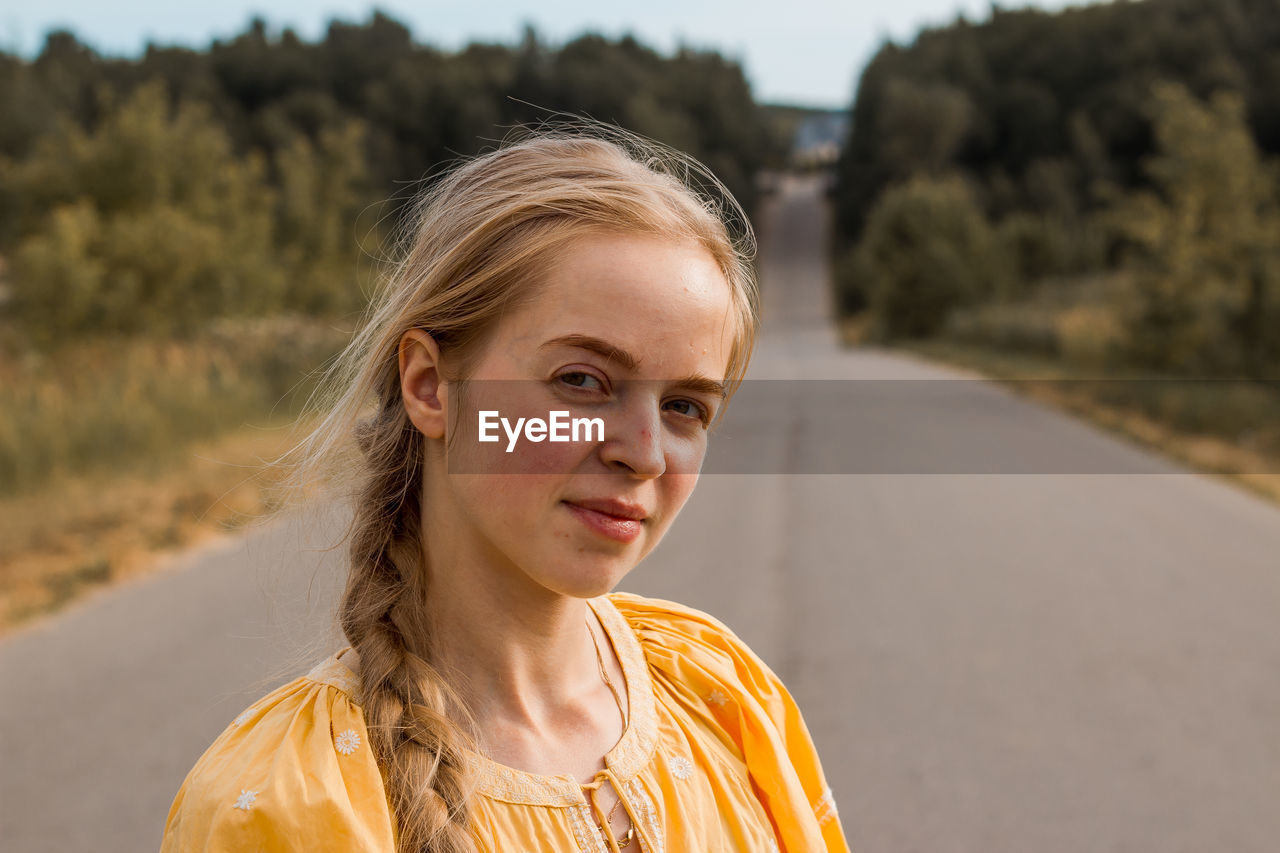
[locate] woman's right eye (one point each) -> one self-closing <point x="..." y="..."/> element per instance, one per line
<point x="578" y="379"/>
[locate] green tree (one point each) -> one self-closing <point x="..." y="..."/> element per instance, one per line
<point x="322" y="191"/>
<point x="193" y="184"/>
<point x="1066" y="86"/>
<point x="1201" y="245"/>
<point x="172" y="228"/>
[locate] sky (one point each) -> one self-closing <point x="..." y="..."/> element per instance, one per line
<point x="807" y="52"/>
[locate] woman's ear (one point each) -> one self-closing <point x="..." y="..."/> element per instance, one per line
<point x="424" y="390"/>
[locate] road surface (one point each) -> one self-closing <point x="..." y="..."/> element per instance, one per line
<point x="994" y="662"/>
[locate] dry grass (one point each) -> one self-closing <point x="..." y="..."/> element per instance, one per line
<point x="1237" y="462"/>
<point x="97" y="406"/>
<point x="116" y="452"/>
<point x="76" y="534"/>
<point x="853" y="328"/>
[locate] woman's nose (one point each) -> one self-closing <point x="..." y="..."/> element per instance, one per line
<point x="633" y="440"/>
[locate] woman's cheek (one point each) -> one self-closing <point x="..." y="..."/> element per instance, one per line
<point x="679" y="488"/>
<point x="685" y="453"/>
<point x="545" y="457"/>
<point x="512" y="433"/>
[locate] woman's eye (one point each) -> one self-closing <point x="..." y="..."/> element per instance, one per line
<point x="578" y="379"/>
<point x="691" y="409"/>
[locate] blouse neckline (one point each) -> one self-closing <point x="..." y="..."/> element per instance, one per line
<point x="627" y="758"/>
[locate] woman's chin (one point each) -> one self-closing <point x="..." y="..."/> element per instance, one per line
<point x="588" y="581"/>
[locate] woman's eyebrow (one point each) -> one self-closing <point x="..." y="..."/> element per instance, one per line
<point x="596" y="345"/>
<point x="694" y="382"/>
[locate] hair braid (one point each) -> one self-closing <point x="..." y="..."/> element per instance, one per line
<point x="420" y="748"/>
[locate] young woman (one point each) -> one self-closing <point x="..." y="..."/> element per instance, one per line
<point x="496" y="696"/>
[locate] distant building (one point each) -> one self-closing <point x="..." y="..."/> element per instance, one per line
<point x="819" y="137"/>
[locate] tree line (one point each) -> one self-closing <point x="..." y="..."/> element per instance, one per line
<point x="153" y="193"/>
<point x="1099" y="183"/>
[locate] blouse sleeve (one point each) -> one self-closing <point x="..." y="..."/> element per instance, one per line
<point x="293" y="772"/>
<point x="693" y="651"/>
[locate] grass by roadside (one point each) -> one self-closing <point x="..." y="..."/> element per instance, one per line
<point x="1234" y="436"/>
<point x="132" y="404"/>
<point x="114" y="454"/>
<point x="78" y="533"/>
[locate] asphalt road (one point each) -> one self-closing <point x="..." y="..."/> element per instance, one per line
<point x="1007" y="631"/>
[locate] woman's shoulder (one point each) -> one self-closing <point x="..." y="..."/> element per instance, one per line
<point x="683" y="644"/>
<point x="698" y="662"/>
<point x="657" y="613"/>
<point x="671" y="630"/>
<point x="293" y="771"/>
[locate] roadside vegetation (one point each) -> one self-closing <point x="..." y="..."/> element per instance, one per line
<point x="187" y="236"/>
<point x="1089" y="193"/>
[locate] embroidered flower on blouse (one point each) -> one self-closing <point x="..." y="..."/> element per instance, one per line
<point x="825" y="809"/>
<point x="347" y="742"/>
<point x="681" y="767"/>
<point x="245" y="802"/>
<point x="715" y="697"/>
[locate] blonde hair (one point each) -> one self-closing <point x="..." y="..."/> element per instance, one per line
<point x="475" y="243"/>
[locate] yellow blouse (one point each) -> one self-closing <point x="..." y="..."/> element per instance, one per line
<point x="715" y="759"/>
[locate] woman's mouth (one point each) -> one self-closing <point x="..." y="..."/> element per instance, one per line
<point x="612" y="527"/>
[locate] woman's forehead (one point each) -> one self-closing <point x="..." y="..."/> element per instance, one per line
<point x="628" y="344"/>
<point x="645" y="279"/>
<point x="643" y="296"/>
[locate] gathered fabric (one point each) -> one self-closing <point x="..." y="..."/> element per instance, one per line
<point x="715" y="758"/>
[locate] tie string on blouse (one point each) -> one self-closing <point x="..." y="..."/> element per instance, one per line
<point x="593" y="787"/>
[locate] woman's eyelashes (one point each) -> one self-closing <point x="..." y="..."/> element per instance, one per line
<point x="699" y="413"/>
<point x="583" y="381"/>
<point x="579" y="374"/>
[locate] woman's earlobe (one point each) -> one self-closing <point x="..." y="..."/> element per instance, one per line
<point x="423" y="389"/>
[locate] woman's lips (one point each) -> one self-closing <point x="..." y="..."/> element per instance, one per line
<point x="610" y="526"/>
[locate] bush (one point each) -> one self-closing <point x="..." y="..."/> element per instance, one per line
<point x="1089" y="335"/>
<point x="1022" y="327"/>
<point x="851" y="277"/>
<point x="927" y="249"/>
<point x="1037" y="247"/>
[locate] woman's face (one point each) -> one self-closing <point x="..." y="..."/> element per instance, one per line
<point x="633" y="330"/>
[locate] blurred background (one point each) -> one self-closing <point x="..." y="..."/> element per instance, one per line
<point x="194" y="206"/>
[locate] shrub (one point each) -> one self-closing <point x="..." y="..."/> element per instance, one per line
<point x="927" y="249"/>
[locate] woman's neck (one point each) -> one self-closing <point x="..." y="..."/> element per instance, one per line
<point x="514" y="654"/>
